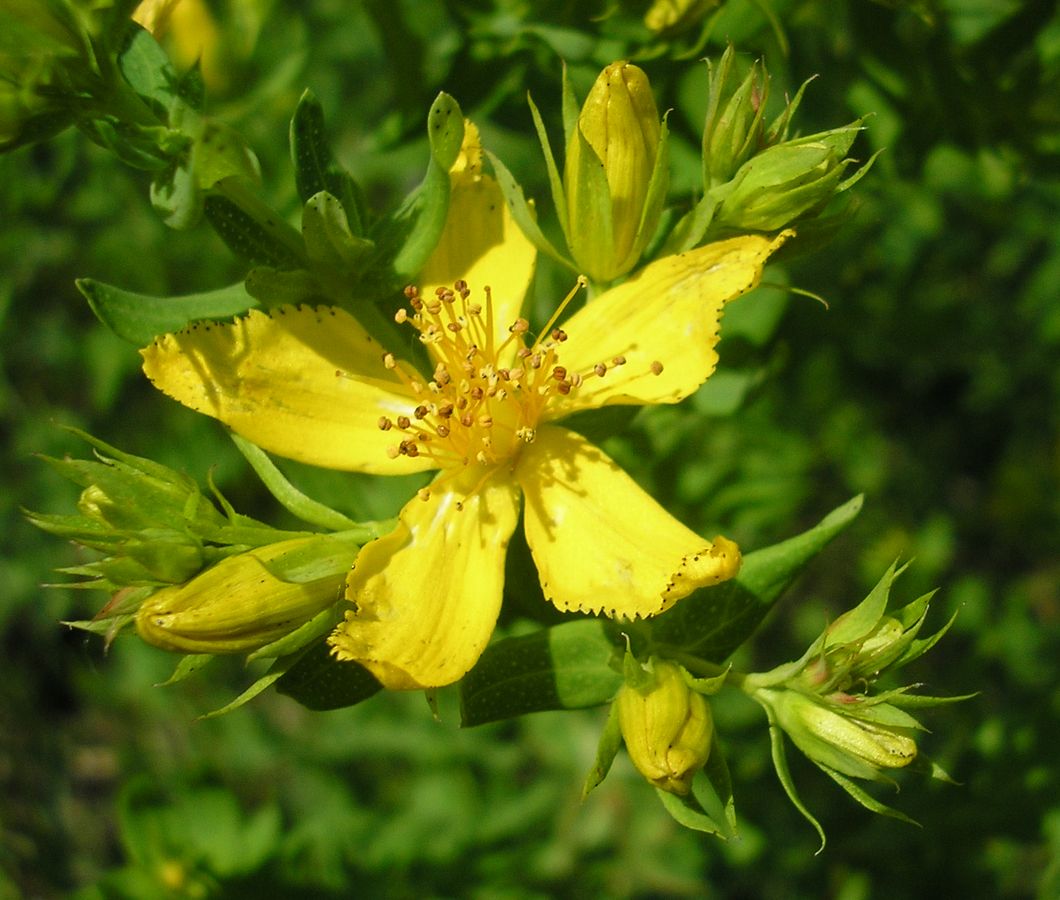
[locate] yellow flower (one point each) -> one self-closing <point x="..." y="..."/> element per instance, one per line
<point x="312" y="385"/>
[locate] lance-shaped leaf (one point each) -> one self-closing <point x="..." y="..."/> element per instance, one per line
<point x="406" y="238"/>
<point x="319" y="681"/>
<point x="564" y="667"/>
<point x="140" y="318"/>
<point x="258" y="239"/>
<point x="315" y="168"/>
<point x="713" y="622"/>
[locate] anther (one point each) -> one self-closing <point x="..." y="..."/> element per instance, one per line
<point x="656" y="367"/>
<point x="389" y="362"/>
<point x="619" y="361"/>
<point x="600" y="369"/>
<point x="385" y="424"/>
<point x="403" y="422"/>
<point x="424" y="494"/>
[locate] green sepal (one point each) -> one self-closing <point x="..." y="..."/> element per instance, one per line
<point x="186" y="667"/>
<point x="276" y="671"/>
<point x="710" y="806"/>
<point x="555" y="181"/>
<point x="315" y="168"/>
<point x="406" y="238"/>
<point x="301" y="637"/>
<point x="690" y="228"/>
<point x="591" y="225"/>
<point x="140" y="318"/>
<point x="780" y="764"/>
<point x="712" y="786"/>
<point x="712" y="622"/>
<point x="864" y="798"/>
<point x="567" y="666"/>
<point x="247" y="237"/>
<point x="859" y="622"/>
<point x="335" y="253"/>
<point x="654" y="199"/>
<point x="320" y="682"/>
<point x="606" y="751"/>
<point x="523" y="213"/>
<point x="151" y="148"/>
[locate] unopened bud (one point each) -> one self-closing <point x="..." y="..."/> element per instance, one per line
<point x="248" y="600"/>
<point x="849" y="743"/>
<point x="672" y="16"/>
<point x="668" y="729"/>
<point x="620" y="137"/>
<point x="782" y="183"/>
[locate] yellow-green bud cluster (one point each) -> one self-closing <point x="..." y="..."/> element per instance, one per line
<point x="668" y="728"/>
<point x="757" y="178"/>
<point x="824" y="701"/>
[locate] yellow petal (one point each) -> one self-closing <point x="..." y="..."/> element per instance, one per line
<point x="600" y="542"/>
<point x="308" y="384"/>
<point x="481" y="243"/>
<point x="427" y="595"/>
<point x="664" y="322"/>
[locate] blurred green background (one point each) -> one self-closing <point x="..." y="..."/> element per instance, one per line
<point x="931" y="384"/>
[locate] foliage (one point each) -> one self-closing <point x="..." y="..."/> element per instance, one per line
<point x="929" y="385"/>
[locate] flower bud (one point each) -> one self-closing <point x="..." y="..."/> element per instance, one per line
<point x="785" y="182"/>
<point x="615" y="173"/>
<point x="672" y="16"/>
<point x="734" y="128"/>
<point x="249" y="600"/>
<point x="858" y="742"/>
<point x="667" y="727"/>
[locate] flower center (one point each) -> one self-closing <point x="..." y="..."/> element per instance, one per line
<point x="489" y="389"/>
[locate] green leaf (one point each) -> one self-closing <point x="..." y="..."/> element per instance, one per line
<point x="146" y="67"/>
<point x="319" y="681"/>
<point x="255" y="241"/>
<point x="315" y="168"/>
<point x="564" y="667"/>
<point x="406" y="238"/>
<point x="175" y="194"/>
<point x="713" y="622"/>
<point x="139" y="318"/>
